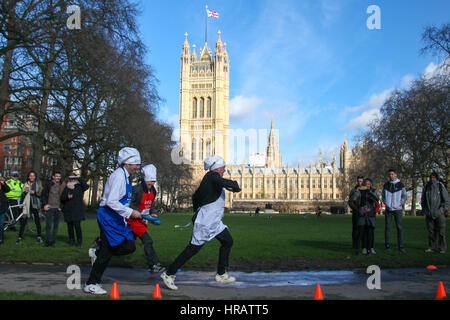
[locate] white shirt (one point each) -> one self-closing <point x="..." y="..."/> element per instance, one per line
<point x="115" y="189"/>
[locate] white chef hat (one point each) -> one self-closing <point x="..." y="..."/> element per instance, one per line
<point x="149" y="172"/>
<point x="128" y="156"/>
<point x="214" y="162"/>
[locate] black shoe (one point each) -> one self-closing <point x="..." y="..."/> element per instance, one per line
<point x="1" y="243"/>
<point x="53" y="244"/>
<point x="79" y="246"/>
<point x="19" y="241"/>
<point x="39" y="240"/>
<point x="71" y="243"/>
<point x="402" y="250"/>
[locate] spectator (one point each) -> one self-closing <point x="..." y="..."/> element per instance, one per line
<point x="366" y="201"/>
<point x="4" y="189"/>
<point x="394" y="197"/>
<point x="14" y="195"/>
<point x="355" y="212"/>
<point x="435" y="202"/>
<point x="73" y="207"/>
<point x="52" y="207"/>
<point x="31" y="205"/>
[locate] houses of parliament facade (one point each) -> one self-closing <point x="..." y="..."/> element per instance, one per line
<point x="204" y="130"/>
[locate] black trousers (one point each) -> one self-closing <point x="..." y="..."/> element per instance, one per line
<point x="37" y="221"/>
<point x="366" y="236"/>
<point x="74" y="225"/>
<point x="355" y="230"/>
<point x="224" y="252"/>
<point x="104" y="254"/>
<point x="149" y="251"/>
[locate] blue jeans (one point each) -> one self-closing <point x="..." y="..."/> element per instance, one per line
<point x="2" y="222"/>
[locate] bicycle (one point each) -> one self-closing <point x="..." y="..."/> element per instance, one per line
<point x="11" y="222"/>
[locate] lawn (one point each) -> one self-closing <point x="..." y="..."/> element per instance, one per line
<point x="283" y="242"/>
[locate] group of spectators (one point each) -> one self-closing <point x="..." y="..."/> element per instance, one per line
<point x="32" y="198"/>
<point x="365" y="205"/>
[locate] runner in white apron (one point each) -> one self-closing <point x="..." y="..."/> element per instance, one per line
<point x="116" y="237"/>
<point x="209" y="203"/>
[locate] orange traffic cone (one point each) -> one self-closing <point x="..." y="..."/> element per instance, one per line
<point x="115" y="292"/>
<point x="157" y="292"/>
<point x="441" y="291"/>
<point x="318" y="295"/>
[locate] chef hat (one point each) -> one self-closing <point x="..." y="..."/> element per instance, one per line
<point x="128" y="156"/>
<point x="214" y="162"/>
<point x="149" y="172"/>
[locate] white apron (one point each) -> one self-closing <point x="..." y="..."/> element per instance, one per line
<point x="208" y="223"/>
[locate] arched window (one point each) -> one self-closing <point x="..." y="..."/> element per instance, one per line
<point x="194" y="147"/>
<point x="201" y="157"/>
<point x="194" y="108"/>
<point x="202" y="107"/>
<point x="208" y="147"/>
<point x="208" y="108"/>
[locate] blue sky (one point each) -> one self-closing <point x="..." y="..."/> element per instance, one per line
<point x="312" y="66"/>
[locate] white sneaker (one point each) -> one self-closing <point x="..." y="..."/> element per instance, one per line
<point x="94" y="289"/>
<point x="225" y="278"/>
<point x="169" y="281"/>
<point x="372" y="251"/>
<point x="364" y="251"/>
<point x="92" y="255"/>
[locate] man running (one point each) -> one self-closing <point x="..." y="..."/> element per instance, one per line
<point x="209" y="203"/>
<point x="116" y="237"/>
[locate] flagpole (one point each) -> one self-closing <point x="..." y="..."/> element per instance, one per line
<point x="206" y="25"/>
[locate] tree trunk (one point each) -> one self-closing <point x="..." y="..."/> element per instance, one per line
<point x="414" y="197"/>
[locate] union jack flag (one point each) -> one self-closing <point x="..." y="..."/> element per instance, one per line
<point x="212" y="14"/>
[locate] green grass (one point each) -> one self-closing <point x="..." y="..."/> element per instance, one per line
<point x="285" y="242"/>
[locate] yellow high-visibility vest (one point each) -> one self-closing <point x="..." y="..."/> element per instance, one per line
<point x="16" y="189"/>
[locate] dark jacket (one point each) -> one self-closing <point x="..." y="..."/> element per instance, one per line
<point x="136" y="197"/>
<point x="46" y="192"/>
<point x="435" y="200"/>
<point x="365" y="198"/>
<point x="3" y="199"/>
<point x="210" y="189"/>
<point x="73" y="209"/>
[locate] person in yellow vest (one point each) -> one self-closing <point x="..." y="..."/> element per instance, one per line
<point x="15" y="194"/>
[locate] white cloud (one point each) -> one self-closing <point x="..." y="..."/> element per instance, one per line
<point x="241" y="106"/>
<point x="363" y="120"/>
<point x="375" y="102"/>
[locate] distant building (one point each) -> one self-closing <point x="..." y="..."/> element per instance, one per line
<point x="16" y="153"/>
<point x="204" y="130"/>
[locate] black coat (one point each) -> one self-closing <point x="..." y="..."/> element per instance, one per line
<point x="73" y="208"/>
<point x="210" y="189"/>
<point x="3" y="199"/>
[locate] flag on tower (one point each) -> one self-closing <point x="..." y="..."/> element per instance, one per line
<point x="212" y="14"/>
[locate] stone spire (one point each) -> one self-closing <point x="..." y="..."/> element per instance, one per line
<point x="273" y="154"/>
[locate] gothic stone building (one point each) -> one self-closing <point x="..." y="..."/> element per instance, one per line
<point x="204" y="127"/>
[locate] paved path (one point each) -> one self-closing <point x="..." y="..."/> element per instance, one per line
<point x="396" y="283"/>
